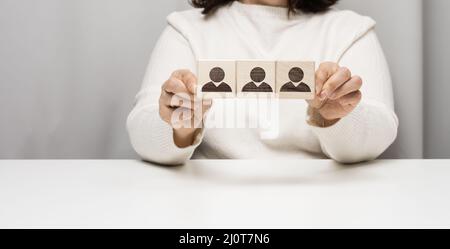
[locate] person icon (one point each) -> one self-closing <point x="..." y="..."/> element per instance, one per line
<point x="217" y="75"/>
<point x="296" y="75"/>
<point x="257" y="75"/>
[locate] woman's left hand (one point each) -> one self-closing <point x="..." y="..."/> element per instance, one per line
<point x="337" y="94"/>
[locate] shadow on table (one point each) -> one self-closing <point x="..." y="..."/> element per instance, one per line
<point x="242" y="172"/>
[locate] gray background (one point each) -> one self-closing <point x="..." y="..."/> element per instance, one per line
<point x="69" y="71"/>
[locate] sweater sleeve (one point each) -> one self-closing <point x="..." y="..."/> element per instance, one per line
<point x="372" y="127"/>
<point x="150" y="136"/>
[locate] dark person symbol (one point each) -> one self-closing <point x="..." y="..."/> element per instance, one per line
<point x="217" y="75"/>
<point x="257" y="75"/>
<point x="296" y="76"/>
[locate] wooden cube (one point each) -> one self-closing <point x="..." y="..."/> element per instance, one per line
<point x="295" y="79"/>
<point x="216" y="79"/>
<point x="255" y="78"/>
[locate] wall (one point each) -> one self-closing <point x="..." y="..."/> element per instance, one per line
<point x="399" y="27"/>
<point x="69" y="71"/>
<point x="437" y="82"/>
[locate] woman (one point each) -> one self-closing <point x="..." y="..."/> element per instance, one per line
<point x="351" y="119"/>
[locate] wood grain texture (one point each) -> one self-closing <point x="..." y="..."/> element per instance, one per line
<point x="295" y="79"/>
<point x="255" y="78"/>
<point x="216" y="79"/>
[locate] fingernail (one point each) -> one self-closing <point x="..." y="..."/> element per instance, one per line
<point x="323" y="95"/>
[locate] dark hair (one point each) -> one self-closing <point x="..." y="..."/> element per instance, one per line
<point x="306" y="6"/>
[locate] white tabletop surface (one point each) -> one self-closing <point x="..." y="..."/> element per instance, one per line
<point x="225" y="194"/>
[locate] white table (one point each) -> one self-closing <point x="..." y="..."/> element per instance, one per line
<point x="224" y="194"/>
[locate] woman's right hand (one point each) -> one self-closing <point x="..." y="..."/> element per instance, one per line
<point x="179" y="107"/>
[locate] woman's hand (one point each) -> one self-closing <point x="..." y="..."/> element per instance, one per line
<point x="179" y="107"/>
<point x="337" y="94"/>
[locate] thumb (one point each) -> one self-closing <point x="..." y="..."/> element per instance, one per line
<point x="191" y="82"/>
<point x="323" y="73"/>
<point x="188" y="79"/>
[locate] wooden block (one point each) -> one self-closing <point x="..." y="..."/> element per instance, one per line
<point x="296" y="79"/>
<point x="255" y="78"/>
<point x="216" y="79"/>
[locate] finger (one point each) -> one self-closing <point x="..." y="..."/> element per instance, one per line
<point x="182" y="114"/>
<point x="351" y="99"/>
<point x="188" y="78"/>
<point x="163" y="99"/>
<point x="321" y="78"/>
<point x="185" y="96"/>
<point x="335" y="81"/>
<point x="353" y="85"/>
<point x="165" y="113"/>
<point x="176" y="101"/>
<point x="190" y="98"/>
<point x="182" y="118"/>
<point x="316" y="102"/>
<point x="167" y="98"/>
<point x="330" y="115"/>
<point x="332" y="111"/>
<point x="323" y="73"/>
<point x="342" y="107"/>
<point x="174" y="85"/>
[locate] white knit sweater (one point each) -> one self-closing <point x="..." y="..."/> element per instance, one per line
<point x="241" y="31"/>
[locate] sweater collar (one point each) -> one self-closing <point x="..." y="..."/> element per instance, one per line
<point x="263" y="10"/>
